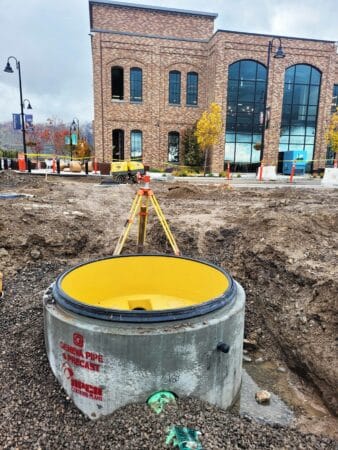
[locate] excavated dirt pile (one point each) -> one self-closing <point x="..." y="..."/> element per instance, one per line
<point x="280" y="244"/>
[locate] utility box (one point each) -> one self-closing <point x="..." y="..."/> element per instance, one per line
<point x="297" y="156"/>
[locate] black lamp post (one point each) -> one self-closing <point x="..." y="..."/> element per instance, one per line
<point x="279" y="54"/>
<point x="9" y="69"/>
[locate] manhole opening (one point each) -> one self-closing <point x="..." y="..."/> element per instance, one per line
<point x="140" y="305"/>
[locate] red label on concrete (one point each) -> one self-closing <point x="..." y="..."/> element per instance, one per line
<point x="78" y="357"/>
<point x="81" y="362"/>
<point x="86" y="390"/>
<point x="78" y="339"/>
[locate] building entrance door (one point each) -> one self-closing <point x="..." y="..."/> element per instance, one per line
<point x="118" y="145"/>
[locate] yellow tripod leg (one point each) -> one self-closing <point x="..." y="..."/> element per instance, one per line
<point x="142" y="225"/>
<point x="165" y="225"/>
<point x="133" y="211"/>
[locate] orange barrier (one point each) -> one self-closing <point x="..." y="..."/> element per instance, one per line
<point x="229" y="172"/>
<point x="293" y="169"/>
<point x="95" y="166"/>
<point x="54" y="165"/>
<point x="21" y="162"/>
<point x="260" y="177"/>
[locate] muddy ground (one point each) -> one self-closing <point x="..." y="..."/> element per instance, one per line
<point x="280" y="244"/>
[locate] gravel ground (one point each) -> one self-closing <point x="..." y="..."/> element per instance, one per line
<point x="36" y="414"/>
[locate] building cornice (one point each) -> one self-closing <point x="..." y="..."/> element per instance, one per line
<point x="149" y="8"/>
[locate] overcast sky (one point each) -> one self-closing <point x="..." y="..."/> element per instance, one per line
<point x="50" y="39"/>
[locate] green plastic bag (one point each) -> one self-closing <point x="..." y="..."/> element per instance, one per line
<point x="184" y="438"/>
<point x="159" y="400"/>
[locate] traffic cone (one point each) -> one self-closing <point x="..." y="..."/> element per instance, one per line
<point x="260" y="177"/>
<point x="95" y="166"/>
<point x="293" y="169"/>
<point x="21" y="162"/>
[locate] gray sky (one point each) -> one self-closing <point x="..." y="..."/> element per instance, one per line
<point x="50" y="39"/>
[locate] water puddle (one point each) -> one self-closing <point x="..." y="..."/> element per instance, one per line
<point x="276" y="412"/>
<point x="290" y="404"/>
<point x="11" y="195"/>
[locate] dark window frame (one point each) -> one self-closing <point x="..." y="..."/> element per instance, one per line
<point x="174" y="136"/>
<point x="133" y="134"/>
<point x="192" y="89"/>
<point x="136" y="84"/>
<point x="243" y="117"/>
<point x="290" y="121"/>
<point x="174" y="87"/>
<point x="117" y="83"/>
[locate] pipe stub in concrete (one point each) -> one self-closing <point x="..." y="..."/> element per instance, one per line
<point x="144" y="288"/>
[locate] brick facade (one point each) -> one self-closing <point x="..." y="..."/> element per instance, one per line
<point x="158" y="40"/>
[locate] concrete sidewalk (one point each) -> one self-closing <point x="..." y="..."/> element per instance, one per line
<point x="245" y="180"/>
<point x="238" y="180"/>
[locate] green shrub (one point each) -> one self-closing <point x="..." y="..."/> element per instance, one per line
<point x="154" y="169"/>
<point x="8" y="153"/>
<point x="181" y="173"/>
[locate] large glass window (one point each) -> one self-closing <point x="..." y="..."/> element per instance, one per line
<point x="175" y="87"/>
<point x="117" y="83"/>
<point x="192" y="88"/>
<point x="245" y="105"/>
<point x="135" y="84"/>
<point x="299" y="113"/>
<point x="173" y="146"/>
<point x="136" y="144"/>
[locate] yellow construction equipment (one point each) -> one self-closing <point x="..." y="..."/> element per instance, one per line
<point x="140" y="206"/>
<point x="126" y="171"/>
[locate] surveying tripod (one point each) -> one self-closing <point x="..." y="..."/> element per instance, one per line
<point x="140" y="206"/>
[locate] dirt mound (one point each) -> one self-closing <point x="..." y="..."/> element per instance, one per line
<point x="279" y="245"/>
<point x="179" y="192"/>
<point x="13" y="180"/>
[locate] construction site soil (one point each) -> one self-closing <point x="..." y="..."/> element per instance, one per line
<point x="280" y="244"/>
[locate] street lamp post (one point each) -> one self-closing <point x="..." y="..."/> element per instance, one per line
<point x="74" y="126"/>
<point x="9" y="69"/>
<point x="279" y="54"/>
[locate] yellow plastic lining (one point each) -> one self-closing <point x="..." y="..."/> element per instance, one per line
<point x="144" y="282"/>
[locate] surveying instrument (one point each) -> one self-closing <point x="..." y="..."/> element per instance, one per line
<point x="140" y="206"/>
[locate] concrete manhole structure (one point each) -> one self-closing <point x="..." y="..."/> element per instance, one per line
<point x="121" y="328"/>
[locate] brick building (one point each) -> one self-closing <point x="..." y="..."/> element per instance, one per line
<point x="157" y="69"/>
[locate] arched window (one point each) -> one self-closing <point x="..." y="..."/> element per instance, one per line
<point x="117" y="83"/>
<point x="192" y="88"/>
<point x="173" y="146"/>
<point x="175" y="87"/>
<point x="300" y="109"/>
<point x="118" y="145"/>
<point x="136" y="144"/>
<point x="245" y="106"/>
<point x="135" y="84"/>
